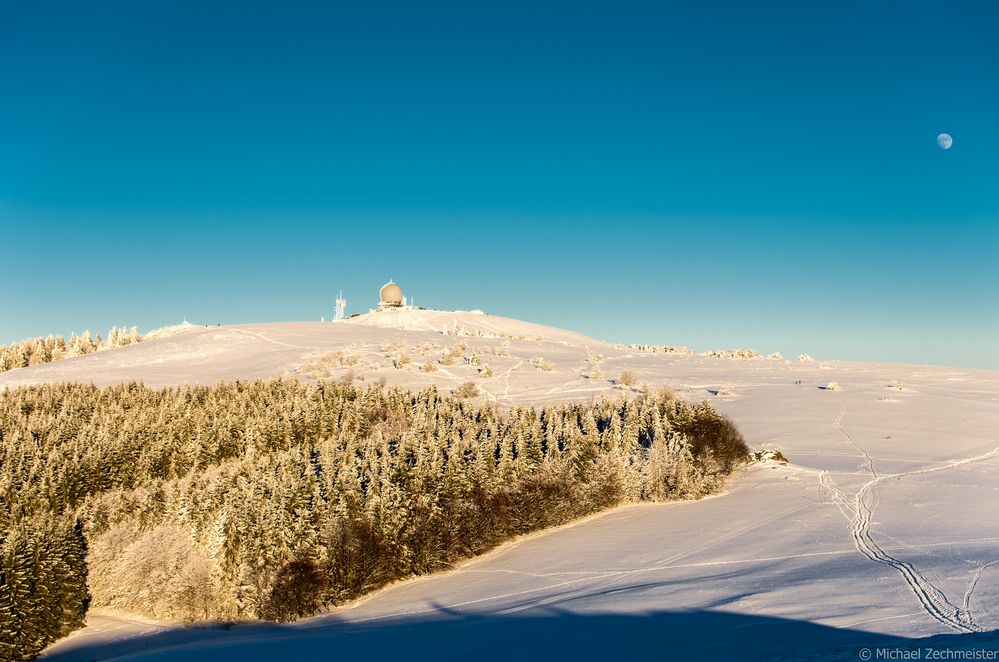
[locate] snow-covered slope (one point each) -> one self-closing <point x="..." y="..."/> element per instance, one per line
<point x="371" y="343"/>
<point x="886" y="521"/>
<point x="475" y="324"/>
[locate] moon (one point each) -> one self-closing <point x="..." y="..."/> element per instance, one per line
<point x="945" y="141"/>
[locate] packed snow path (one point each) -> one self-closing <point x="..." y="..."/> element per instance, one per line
<point x="886" y="520"/>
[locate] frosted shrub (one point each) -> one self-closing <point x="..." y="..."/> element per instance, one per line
<point x="833" y="386"/>
<point x="741" y="353"/>
<point x="299" y="589"/>
<point x="467" y="390"/>
<point x="662" y="393"/>
<point x="159" y="573"/>
<point x="328" y="365"/>
<point x="542" y="364"/>
<point x="456" y="352"/>
<point x="627" y="378"/>
<point x="768" y="455"/>
<point x="715" y="440"/>
<point x="167" y="331"/>
<point x="426" y="348"/>
<point x="358" y="559"/>
<point x="658" y="349"/>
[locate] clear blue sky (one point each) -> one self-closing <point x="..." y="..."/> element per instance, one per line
<point x="705" y="173"/>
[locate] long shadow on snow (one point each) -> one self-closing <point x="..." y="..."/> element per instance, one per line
<point x="554" y="634"/>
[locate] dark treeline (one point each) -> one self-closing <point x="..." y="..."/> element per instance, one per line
<point x="274" y="499"/>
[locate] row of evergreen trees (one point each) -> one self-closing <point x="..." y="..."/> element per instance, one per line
<point x="35" y="351"/>
<point x="275" y="498"/>
<point x="43" y="584"/>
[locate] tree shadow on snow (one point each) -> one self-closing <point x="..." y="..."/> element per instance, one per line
<point x="543" y="633"/>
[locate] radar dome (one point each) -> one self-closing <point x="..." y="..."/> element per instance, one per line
<point x="390" y="296"/>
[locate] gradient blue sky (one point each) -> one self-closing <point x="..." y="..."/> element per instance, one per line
<point x="705" y="173"/>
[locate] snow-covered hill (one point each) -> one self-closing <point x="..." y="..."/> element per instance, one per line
<point x="370" y="346"/>
<point x="475" y="324"/>
<point x="886" y="520"/>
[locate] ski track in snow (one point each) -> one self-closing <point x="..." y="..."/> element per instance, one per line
<point x="973" y="584"/>
<point x="272" y="341"/>
<point x="931" y="599"/>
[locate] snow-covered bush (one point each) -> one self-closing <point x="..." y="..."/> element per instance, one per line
<point x="543" y="364"/>
<point x="741" y="353"/>
<point x="167" y="331"/>
<point x="658" y="349"/>
<point x="768" y="455"/>
<point x="662" y="392"/>
<point x="299" y="589"/>
<point x="467" y="390"/>
<point x="426" y="348"/>
<point x="327" y="365"/>
<point x="452" y="355"/>
<point x="159" y="572"/>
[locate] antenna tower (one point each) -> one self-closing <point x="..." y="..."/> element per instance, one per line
<point x="341" y="307"/>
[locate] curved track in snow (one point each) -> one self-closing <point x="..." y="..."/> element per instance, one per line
<point x="931" y="599"/>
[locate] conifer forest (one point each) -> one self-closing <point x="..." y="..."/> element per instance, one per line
<point x="278" y="499"/>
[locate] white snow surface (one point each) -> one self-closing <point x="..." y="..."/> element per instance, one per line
<point x="883" y="527"/>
